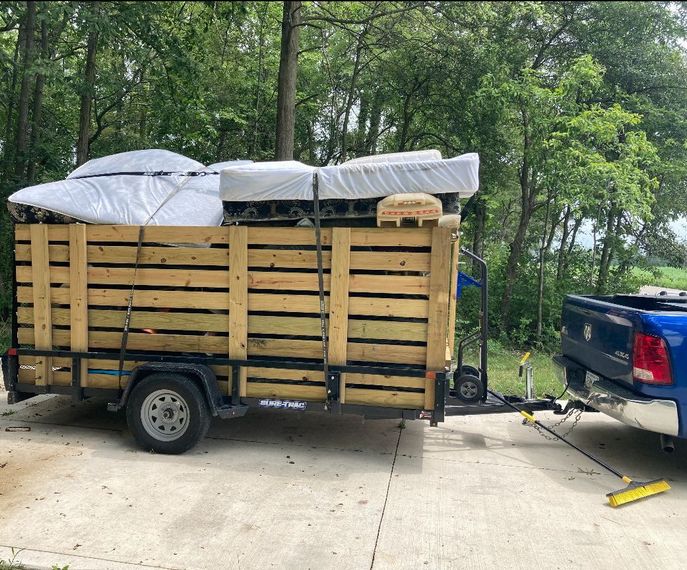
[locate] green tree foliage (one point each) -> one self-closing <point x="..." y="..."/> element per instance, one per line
<point x="577" y="110"/>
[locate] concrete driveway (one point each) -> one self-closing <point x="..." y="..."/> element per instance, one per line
<point x="292" y="490"/>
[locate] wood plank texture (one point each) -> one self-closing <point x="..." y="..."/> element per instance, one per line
<point x="78" y="294"/>
<point x="453" y="280"/>
<point x="438" y="308"/>
<point x="238" y="298"/>
<point x="371" y="237"/>
<point x="40" y="277"/>
<point x="338" y="306"/>
<point x="242" y="292"/>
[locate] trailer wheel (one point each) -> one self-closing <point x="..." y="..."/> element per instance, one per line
<point x="167" y="413"/>
<point x="468" y="388"/>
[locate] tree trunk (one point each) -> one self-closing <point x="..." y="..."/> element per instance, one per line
<point x="528" y="194"/>
<point x="351" y="96"/>
<point x="9" y="118"/>
<point x="613" y="225"/>
<point x="564" y="240"/>
<point x="82" y="145"/>
<point x="543" y="250"/>
<point x="253" y="147"/>
<point x="286" y="87"/>
<point x="405" y="125"/>
<point x="478" y="231"/>
<point x="23" y="107"/>
<point x="571" y="245"/>
<point x="375" y="123"/>
<point x="36" y="114"/>
<point x="363" y="112"/>
<point x="514" y="254"/>
<point x="591" y="270"/>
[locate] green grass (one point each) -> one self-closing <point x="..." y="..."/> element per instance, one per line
<point x="669" y="277"/>
<point x="503" y="371"/>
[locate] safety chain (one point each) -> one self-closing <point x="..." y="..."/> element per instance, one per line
<point x="559" y="423"/>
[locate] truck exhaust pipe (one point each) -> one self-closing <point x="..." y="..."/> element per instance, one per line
<point x="667" y="443"/>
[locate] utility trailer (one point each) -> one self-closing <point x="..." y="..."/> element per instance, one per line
<point x="179" y="324"/>
<point x="234" y="313"/>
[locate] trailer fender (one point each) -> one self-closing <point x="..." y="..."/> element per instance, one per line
<point x="202" y="375"/>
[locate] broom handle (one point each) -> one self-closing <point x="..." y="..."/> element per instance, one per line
<point x="529" y="417"/>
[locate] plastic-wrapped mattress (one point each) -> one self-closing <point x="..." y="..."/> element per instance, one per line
<point x="284" y="190"/>
<point x="147" y="187"/>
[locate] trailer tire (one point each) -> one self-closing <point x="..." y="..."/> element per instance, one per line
<point x="468" y="388"/>
<point x="167" y="413"/>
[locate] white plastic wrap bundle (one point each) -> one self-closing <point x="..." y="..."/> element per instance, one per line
<point x="282" y="190"/>
<point x="146" y="187"/>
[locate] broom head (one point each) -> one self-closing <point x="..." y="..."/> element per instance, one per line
<point x="636" y="490"/>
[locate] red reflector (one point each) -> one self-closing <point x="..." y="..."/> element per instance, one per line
<point x="11" y="352"/>
<point x="650" y="361"/>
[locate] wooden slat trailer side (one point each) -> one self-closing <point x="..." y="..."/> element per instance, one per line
<point x="236" y="310"/>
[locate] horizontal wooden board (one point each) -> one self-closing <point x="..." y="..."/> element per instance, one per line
<point x="392" y="353"/>
<point x="397" y="237"/>
<point x="388" y="307"/>
<point x="285" y="391"/>
<point x="26" y="360"/>
<point x="389" y="284"/>
<point x="270" y="258"/>
<point x="144" y="276"/>
<point x="149" y="255"/>
<point x="386" y="398"/>
<point x="389" y="261"/>
<point x="362" y="306"/>
<point x="276" y="280"/>
<point x="287" y="236"/>
<point x="383" y="380"/>
<point x="373" y="237"/>
<point x="285" y="374"/>
<point x="363" y="352"/>
<point x="220" y="370"/>
<point x="206" y="322"/>
<point x="142" y="298"/>
<point x="360" y="260"/>
<point x="153" y="234"/>
<point x="57" y="378"/>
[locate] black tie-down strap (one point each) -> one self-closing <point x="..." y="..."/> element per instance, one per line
<point x="127" y="319"/>
<point x="331" y="380"/>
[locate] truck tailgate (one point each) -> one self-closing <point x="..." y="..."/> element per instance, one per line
<point x="598" y="336"/>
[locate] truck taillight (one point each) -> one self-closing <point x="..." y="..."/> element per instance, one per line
<point x="650" y="362"/>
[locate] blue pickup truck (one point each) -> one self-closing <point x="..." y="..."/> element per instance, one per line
<point x="626" y="356"/>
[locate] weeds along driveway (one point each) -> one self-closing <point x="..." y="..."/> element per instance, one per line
<point x="292" y="490"/>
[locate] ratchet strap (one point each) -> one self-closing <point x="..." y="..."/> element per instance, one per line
<point x="320" y="278"/>
<point x="127" y="319"/>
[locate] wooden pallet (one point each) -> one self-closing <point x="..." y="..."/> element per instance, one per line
<point x="241" y="292"/>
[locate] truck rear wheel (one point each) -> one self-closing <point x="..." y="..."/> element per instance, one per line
<point x="167" y="413"/>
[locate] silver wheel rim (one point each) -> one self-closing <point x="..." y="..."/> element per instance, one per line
<point x="468" y="389"/>
<point x="165" y="415"/>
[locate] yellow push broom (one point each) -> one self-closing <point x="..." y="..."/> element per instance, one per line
<point x="634" y="491"/>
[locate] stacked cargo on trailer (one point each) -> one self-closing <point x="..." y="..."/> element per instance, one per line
<point x="178" y="324"/>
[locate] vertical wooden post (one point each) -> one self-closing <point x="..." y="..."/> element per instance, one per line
<point x="42" y="309"/>
<point x="238" y="299"/>
<point x="338" y="302"/>
<point x="437" y="326"/>
<point x="78" y="294"/>
<point x="452" y="299"/>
